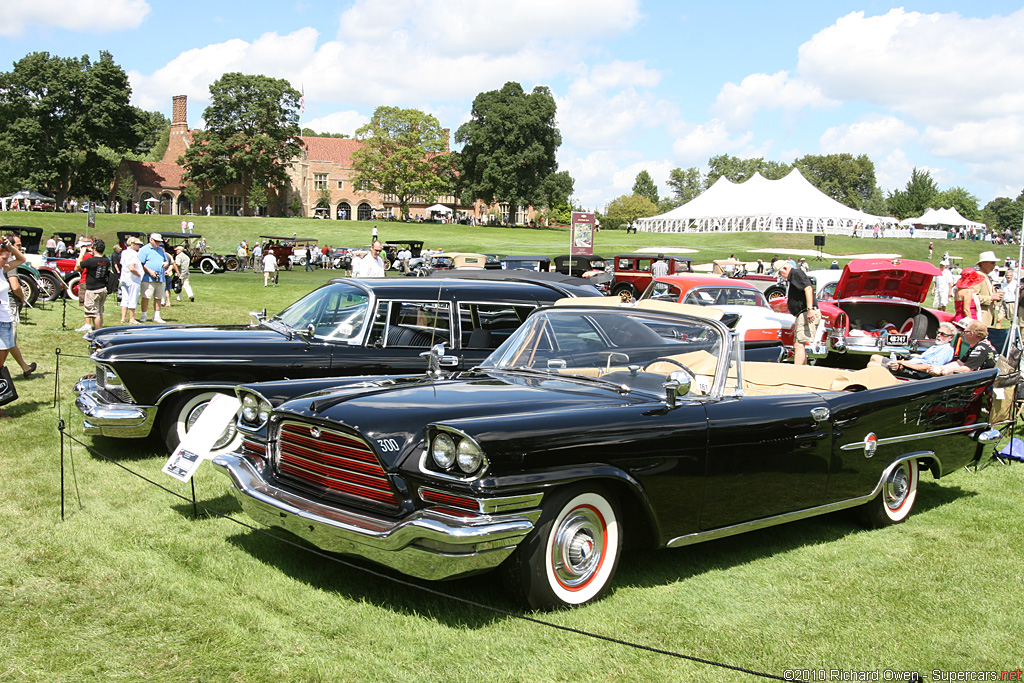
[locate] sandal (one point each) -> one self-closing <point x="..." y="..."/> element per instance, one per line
<point x="31" y="369"/>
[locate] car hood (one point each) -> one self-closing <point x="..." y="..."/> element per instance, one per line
<point x="897" y="278"/>
<point x="402" y="411"/>
<point x="182" y="339"/>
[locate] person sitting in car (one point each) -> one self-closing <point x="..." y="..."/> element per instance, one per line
<point x="980" y="356"/>
<point x="916" y="366"/>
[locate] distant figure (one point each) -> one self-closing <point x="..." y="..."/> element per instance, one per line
<point x="660" y="267"/>
<point x="834" y="266"/>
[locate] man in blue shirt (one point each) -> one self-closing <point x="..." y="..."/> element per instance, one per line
<point x="152" y="257"/>
<point x="917" y="366"/>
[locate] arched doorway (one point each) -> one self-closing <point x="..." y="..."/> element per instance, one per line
<point x="365" y="211"/>
<point x="344" y="211"/>
<point x="148" y="203"/>
<point x="166" y="204"/>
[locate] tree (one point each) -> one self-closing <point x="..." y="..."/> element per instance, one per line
<point x="1002" y="214"/>
<point x="251" y="136"/>
<point x="961" y="200"/>
<point x="626" y="209"/>
<point x="685" y="185"/>
<point x="154" y="131"/>
<point x="55" y="114"/>
<point x="557" y="190"/>
<point x="645" y="187"/>
<point x="918" y="196"/>
<point x="405" y="155"/>
<point x="738" y="170"/>
<point x="509" y="145"/>
<point x="847" y="179"/>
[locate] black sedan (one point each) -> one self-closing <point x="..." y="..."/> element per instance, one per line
<point x="163" y="376"/>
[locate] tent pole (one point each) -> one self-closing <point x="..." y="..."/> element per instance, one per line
<point x="1012" y="336"/>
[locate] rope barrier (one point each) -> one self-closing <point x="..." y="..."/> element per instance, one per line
<point x="416" y="586"/>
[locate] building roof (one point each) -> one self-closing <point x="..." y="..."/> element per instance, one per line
<point x="336" y="150"/>
<point x="156" y="174"/>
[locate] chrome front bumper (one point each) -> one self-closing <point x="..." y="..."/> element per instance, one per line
<point x="427" y="544"/>
<point x="122" y="420"/>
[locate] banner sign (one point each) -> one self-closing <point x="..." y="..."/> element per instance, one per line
<point x="582" y="241"/>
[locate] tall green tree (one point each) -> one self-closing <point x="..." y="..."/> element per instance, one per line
<point x="626" y="208"/>
<point x="154" y="133"/>
<point x="1003" y="213"/>
<point x="915" y="198"/>
<point x="251" y="136"/>
<point x="645" y="187"/>
<point x="55" y="114"/>
<point x="847" y="179"/>
<point x="404" y="154"/>
<point x="509" y="146"/>
<point x="685" y="185"/>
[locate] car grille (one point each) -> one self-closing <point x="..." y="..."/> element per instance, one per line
<point x="120" y="393"/>
<point x="334" y="462"/>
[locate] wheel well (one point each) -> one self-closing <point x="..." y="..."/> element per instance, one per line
<point x="639" y="528"/>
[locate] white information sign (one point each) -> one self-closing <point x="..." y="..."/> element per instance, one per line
<point x="219" y="413"/>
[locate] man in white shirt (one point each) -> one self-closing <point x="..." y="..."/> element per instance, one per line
<point x="369" y="264"/>
<point x="660" y="267"/>
<point x="269" y="267"/>
<point x="943" y="286"/>
<point x="131" y="279"/>
<point x="404" y="256"/>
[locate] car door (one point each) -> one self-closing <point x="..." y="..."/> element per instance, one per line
<point x="767" y="455"/>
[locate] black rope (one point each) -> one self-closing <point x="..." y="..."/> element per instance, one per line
<point x="431" y="591"/>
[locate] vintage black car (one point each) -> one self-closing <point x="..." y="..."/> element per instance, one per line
<point x="163" y="376"/>
<point x="595" y="426"/>
<point x="578" y="264"/>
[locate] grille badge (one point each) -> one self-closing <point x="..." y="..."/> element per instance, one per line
<point x="314" y="432"/>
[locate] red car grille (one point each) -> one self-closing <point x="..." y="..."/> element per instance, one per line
<point x="335" y="462"/>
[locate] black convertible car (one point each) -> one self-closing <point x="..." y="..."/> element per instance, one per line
<point x="595" y="426"/>
<point x="165" y="375"/>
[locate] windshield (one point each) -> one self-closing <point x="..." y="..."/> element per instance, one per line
<point x="336" y="311"/>
<point x="635" y="347"/>
<point x="706" y="295"/>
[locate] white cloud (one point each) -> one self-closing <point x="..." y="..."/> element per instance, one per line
<point x="872" y="135"/>
<point x="737" y="104"/>
<point x="978" y="142"/>
<point x="86" y="16"/>
<point x="706" y="140"/>
<point x="338" y="122"/>
<point x="932" y="67"/>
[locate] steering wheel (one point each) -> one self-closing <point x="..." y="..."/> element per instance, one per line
<point x="673" y="361"/>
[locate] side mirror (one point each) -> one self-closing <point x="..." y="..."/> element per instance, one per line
<point x="437" y="360"/>
<point x="310" y="330"/>
<point x="678" y="384"/>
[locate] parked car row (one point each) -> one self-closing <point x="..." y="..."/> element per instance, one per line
<point x="504" y="419"/>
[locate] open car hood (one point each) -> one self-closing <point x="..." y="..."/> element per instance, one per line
<point x="897" y="278"/>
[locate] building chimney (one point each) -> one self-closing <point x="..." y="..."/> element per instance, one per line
<point x="179" y="139"/>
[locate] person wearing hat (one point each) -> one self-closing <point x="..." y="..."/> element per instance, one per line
<point x="660" y="267"/>
<point x="834" y="266"/>
<point x="803" y="265"/>
<point x="131" y="279"/>
<point x="152" y="257"/>
<point x="965" y="299"/>
<point x="989" y="299"/>
<point x="183" y="262"/>
<point x="803" y="305"/>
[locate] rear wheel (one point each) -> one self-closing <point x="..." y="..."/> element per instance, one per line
<point x="775" y="292"/>
<point x="571" y="556"/>
<point x="73" y="284"/>
<point x="894" y="503"/>
<point x="232" y="263"/>
<point x="30" y="286"/>
<point x="617" y="290"/>
<point x="179" y="417"/>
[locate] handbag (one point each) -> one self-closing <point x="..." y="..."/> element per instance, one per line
<point x="7" y="391"/>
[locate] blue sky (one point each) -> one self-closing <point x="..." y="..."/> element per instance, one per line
<point x="639" y="84"/>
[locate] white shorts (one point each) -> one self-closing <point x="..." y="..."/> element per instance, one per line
<point x="130" y="294"/>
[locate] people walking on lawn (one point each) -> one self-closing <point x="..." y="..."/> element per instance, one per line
<point x="152" y="256"/>
<point x="95" y="268"/>
<point x="131" y="280"/>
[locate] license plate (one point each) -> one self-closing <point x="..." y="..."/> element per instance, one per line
<point x="897" y="340"/>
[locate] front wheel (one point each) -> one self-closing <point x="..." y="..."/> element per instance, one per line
<point x="775" y="292"/>
<point x="50" y="286"/>
<point x="179" y="417"/>
<point x="894" y="503"/>
<point x="571" y="556"/>
<point x="30" y="286"/>
<point x="208" y="266"/>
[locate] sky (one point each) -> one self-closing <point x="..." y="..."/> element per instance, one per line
<point x="640" y="85"/>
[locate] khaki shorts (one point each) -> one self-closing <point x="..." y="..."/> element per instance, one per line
<point x="94" y="300"/>
<point x="803" y="329"/>
<point x="153" y="290"/>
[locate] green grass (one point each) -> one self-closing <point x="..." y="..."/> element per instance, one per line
<point x="129" y="587"/>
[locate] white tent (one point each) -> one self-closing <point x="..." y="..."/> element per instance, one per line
<point x="440" y="208"/>
<point x="790" y="204"/>
<point x="950" y="217"/>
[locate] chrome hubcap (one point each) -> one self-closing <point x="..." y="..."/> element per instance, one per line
<point x="897" y="487"/>
<point x="577" y="550"/>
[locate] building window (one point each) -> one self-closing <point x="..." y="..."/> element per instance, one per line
<point x="225" y="205"/>
<point x="319" y="181"/>
<point x="341" y="184"/>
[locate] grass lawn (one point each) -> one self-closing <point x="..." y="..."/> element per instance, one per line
<point x="129" y="587"/>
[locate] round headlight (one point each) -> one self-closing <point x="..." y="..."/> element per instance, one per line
<point x="469" y="456"/>
<point x="264" y="411"/>
<point x="443" y="451"/>
<point x="249" y="401"/>
<point x="249" y="414"/>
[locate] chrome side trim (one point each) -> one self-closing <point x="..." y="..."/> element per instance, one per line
<point x="859" y="445"/>
<point x="711" y="535"/>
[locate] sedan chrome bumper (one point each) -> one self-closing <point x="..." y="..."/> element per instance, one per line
<point x="428" y="544"/>
<point x="123" y="420"/>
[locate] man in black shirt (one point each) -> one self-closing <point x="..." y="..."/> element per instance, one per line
<point x="803" y="305"/>
<point x="981" y="356"/>
<point x="95" y="269"/>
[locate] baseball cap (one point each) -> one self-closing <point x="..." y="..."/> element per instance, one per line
<point x="156" y="237"/>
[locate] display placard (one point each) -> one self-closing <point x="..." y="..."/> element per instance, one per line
<point x="218" y="415"/>
<point x="582" y="239"/>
